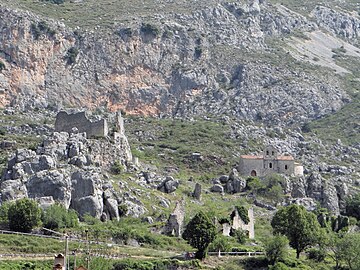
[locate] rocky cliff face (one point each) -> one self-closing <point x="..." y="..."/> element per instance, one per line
<point x="70" y="169"/>
<point x="216" y="60"/>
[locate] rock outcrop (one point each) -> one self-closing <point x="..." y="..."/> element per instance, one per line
<point x="67" y="168"/>
<point x="194" y="64"/>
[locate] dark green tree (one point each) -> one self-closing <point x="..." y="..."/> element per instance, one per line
<point x="199" y="233"/>
<point x="299" y="226"/>
<point x="348" y="250"/>
<point x="24" y="215"/>
<point x="221" y="243"/>
<point x="4" y="210"/>
<point x="353" y="206"/>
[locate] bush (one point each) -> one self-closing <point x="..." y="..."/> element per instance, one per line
<point x="24" y="215"/>
<point x="4" y="210"/>
<point x="2" y="66"/>
<point x="71" y="55"/>
<point x="317" y="255"/>
<point x="240" y="235"/>
<point x="279" y="266"/>
<point x="276" y="249"/>
<point x="41" y="28"/>
<point x="255" y="262"/>
<point x="221" y="243"/>
<point x="149" y="29"/>
<point x="57" y="217"/>
<point x="117" y="167"/>
<point x="353" y="206"/>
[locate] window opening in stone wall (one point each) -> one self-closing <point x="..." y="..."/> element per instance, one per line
<point x="253" y="173"/>
<point x="272" y="153"/>
<point x="286" y="167"/>
<point x="270" y="165"/>
<point x="267" y="153"/>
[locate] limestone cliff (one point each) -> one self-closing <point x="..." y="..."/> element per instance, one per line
<point x="215" y="60"/>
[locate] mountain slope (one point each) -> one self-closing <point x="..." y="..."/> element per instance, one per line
<point x="218" y="59"/>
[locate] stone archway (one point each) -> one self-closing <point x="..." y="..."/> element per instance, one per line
<point x="253" y="173"/>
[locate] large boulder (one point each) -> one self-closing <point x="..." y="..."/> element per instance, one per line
<point x="169" y="185"/>
<point x="197" y="192"/>
<point x="50" y="183"/>
<point x="217" y="188"/>
<point x="86" y="187"/>
<point x="12" y="190"/>
<point x="330" y="199"/>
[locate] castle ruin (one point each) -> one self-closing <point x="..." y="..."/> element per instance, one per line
<point x="238" y="224"/>
<point x="270" y="162"/>
<point x="67" y="122"/>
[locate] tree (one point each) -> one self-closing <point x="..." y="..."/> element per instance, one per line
<point x="57" y="216"/>
<point x="4" y="210"/>
<point x="347" y="248"/>
<point x="199" y="233"/>
<point x="276" y="249"/>
<point x="299" y="226"/>
<point x="24" y="215"/>
<point x="221" y="243"/>
<point x="353" y="206"/>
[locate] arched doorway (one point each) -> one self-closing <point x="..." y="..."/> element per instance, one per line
<point x="253" y="173"/>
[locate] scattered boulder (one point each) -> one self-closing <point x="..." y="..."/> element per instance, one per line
<point x="197" y="192"/>
<point x="217" y="188"/>
<point x="169" y="185"/>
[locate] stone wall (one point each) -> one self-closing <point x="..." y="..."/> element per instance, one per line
<point x="67" y="122"/>
<point x="238" y="223"/>
<point x="246" y="166"/>
<point x="175" y="222"/>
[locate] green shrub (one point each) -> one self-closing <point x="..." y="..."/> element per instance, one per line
<point x="123" y="209"/>
<point x="41" y="28"/>
<point x="276" y="249"/>
<point x="279" y="266"/>
<point x="255" y="262"/>
<point x="221" y="243"/>
<point x="71" y="55"/>
<point x="57" y="216"/>
<point x="130" y="264"/>
<point x="117" y="167"/>
<point x="240" y="235"/>
<point x="317" y="255"/>
<point x="2" y="66"/>
<point x="24" y="215"/>
<point x="353" y="206"/>
<point x="149" y="29"/>
<point x="4" y="210"/>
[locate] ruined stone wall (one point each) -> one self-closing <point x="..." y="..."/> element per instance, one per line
<point x="246" y="166"/>
<point x="238" y="223"/>
<point x="175" y="222"/>
<point x="298" y="170"/>
<point x="66" y="122"/>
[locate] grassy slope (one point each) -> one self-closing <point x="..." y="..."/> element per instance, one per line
<point x="306" y="6"/>
<point x="105" y="13"/>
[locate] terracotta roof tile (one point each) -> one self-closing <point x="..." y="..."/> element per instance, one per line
<point x="261" y="157"/>
<point x="251" y="157"/>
